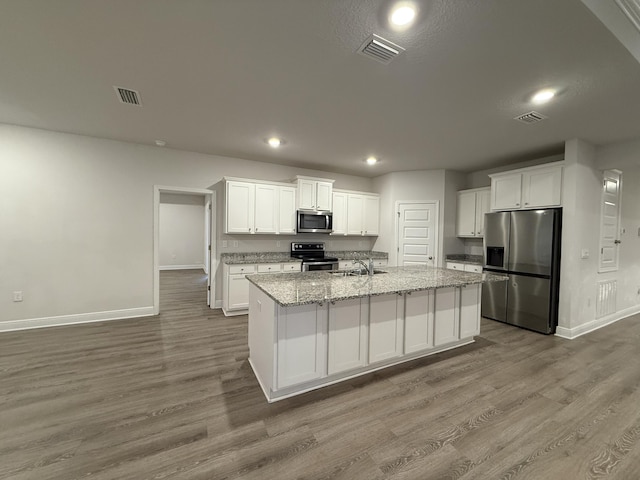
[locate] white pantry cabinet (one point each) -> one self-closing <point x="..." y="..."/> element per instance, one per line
<point x="471" y="207"/>
<point x="253" y="207"/>
<point x="526" y="188"/>
<point x="314" y="193"/>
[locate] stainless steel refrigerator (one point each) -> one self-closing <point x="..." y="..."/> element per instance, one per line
<point x="525" y="245"/>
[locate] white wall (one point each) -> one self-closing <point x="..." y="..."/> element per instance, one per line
<point x="76" y="218"/>
<point x="582" y="189"/>
<point x="418" y="186"/>
<point x="182" y="231"/>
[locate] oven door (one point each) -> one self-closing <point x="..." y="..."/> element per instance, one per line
<point x="318" y="265"/>
<point x="315" y="222"/>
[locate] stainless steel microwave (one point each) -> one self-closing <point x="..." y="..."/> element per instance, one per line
<point x="310" y="221"/>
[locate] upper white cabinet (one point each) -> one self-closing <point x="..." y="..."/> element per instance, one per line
<point x="471" y="207"/>
<point x="526" y="188"/>
<point x="356" y="213"/>
<point x="314" y="193"/>
<point x="339" y="213"/>
<point x="259" y="207"/>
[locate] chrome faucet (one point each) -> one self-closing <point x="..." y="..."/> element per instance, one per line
<point x="368" y="268"/>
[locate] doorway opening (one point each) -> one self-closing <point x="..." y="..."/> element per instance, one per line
<point x="184" y="241"/>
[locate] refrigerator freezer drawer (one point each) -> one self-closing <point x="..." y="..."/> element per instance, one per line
<point x="494" y="301"/>
<point x="528" y="304"/>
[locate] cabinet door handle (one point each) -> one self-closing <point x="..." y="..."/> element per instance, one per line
<point x="517" y="204"/>
<point x="256" y="229"/>
<point x="249" y="230"/>
<point x="526" y="203"/>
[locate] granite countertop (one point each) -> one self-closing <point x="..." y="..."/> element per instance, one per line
<point x="285" y="257"/>
<point x="290" y="289"/>
<point x="464" y="258"/>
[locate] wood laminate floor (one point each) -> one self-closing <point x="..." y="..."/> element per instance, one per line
<point x="173" y="397"/>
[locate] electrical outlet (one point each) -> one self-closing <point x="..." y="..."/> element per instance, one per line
<point x="277" y="243"/>
<point x="224" y="244"/>
<point x="17" y="296"/>
<point x="235" y="244"/>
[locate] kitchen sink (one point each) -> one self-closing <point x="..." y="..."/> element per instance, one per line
<point x="356" y="273"/>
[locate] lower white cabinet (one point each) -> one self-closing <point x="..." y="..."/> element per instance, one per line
<point x="464" y="267"/>
<point x="446" y="325"/>
<point x="235" y="288"/>
<point x="418" y="321"/>
<point x="386" y="324"/>
<point x="469" y="311"/>
<point x="301" y="349"/>
<point x="347" y="335"/>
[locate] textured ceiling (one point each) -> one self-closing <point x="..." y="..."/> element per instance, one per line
<point x="219" y="76"/>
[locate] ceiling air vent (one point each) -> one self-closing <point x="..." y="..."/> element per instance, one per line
<point x="128" y="96"/>
<point x="379" y="49"/>
<point x="530" y="117"/>
<point x="631" y="9"/>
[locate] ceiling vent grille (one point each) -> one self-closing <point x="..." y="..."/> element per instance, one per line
<point x="128" y="96"/>
<point x="530" y="117"/>
<point x="631" y="9"/>
<point x="380" y="49"/>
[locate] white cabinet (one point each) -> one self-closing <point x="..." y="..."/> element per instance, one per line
<point x="386" y="325"/>
<point x="464" y="267"/>
<point x="446" y="324"/>
<point x="533" y="187"/>
<point x="347" y="335"/>
<point x="269" y="268"/>
<point x="292" y="267"/>
<point x="240" y="205"/>
<point x="363" y="214"/>
<point x="469" y="311"/>
<point x="266" y="208"/>
<point x="471" y="207"/>
<point x="314" y="193"/>
<point x="262" y="208"/>
<point x="339" y="213"/>
<point x="380" y="262"/>
<point x="235" y="288"/>
<point x="455" y="266"/>
<point x="418" y="321"/>
<point x="287" y="210"/>
<point x="301" y="349"/>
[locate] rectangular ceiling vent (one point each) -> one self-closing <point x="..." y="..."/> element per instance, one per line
<point x="128" y="96"/>
<point x="380" y="49"/>
<point x="631" y="9"/>
<point x="530" y="117"/>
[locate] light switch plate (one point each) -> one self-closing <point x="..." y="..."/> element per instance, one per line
<point x="584" y="253"/>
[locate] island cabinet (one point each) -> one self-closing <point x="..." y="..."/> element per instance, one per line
<point x="295" y="349"/>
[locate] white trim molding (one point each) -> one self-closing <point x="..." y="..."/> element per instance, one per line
<point x="29" y="323"/>
<point x="183" y="267"/>
<point x="575" y="332"/>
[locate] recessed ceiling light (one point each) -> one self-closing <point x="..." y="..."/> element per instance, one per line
<point x="403" y="15"/>
<point x="161" y="143"/>
<point x="543" y="96"/>
<point x="274" y="142"/>
<point x="371" y="160"/>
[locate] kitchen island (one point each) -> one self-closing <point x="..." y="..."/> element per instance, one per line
<point x="312" y="329"/>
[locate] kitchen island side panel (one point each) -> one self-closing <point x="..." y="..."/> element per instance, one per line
<point x="262" y="337"/>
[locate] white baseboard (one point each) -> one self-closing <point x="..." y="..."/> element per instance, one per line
<point x="575" y="332"/>
<point x="182" y="267"/>
<point x="42" y="322"/>
<point x="217" y="304"/>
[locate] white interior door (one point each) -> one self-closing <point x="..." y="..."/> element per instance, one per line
<point x="610" y="221"/>
<point x="417" y="233"/>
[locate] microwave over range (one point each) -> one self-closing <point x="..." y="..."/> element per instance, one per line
<point x="311" y="221"/>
